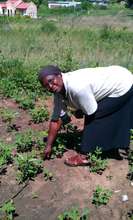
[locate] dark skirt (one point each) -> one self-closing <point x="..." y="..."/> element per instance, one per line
<point x="109" y="127"/>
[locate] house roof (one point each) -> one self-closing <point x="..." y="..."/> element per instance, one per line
<point x="23" y="5"/>
<point x="3" y="4"/>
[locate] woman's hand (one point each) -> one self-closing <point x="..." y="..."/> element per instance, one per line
<point x="47" y="152"/>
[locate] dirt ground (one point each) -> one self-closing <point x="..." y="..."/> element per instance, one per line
<point x="71" y="186"/>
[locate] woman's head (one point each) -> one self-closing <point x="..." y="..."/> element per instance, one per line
<point x="50" y="77"/>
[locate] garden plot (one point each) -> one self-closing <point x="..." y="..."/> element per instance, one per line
<point x="38" y="189"/>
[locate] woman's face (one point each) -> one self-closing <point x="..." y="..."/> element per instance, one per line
<point x="53" y="83"/>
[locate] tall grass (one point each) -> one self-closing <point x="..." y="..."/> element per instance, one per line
<point x="40" y="42"/>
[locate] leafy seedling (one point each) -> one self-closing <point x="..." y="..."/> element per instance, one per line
<point x="97" y="164"/>
<point x="8" y="210"/>
<point x="24" y="141"/>
<point x="47" y="174"/>
<point x="28" y="167"/>
<point x="74" y="214"/>
<point x="5" y="153"/>
<point x="101" y="196"/>
<point x="7" y="116"/>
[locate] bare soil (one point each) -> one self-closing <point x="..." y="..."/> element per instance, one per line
<point x="71" y="186"/>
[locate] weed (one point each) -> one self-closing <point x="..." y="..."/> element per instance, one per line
<point x="28" y="167"/>
<point x="39" y="114"/>
<point x="8" y="210"/>
<point x="74" y="214"/>
<point x="97" y="164"/>
<point x="47" y="174"/>
<point x="101" y="196"/>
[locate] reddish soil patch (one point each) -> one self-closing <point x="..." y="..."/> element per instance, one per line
<point x="45" y="200"/>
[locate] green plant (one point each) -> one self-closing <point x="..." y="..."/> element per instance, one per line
<point x="47" y="174"/>
<point x="97" y="164"/>
<point x="39" y="114"/>
<point x="24" y="141"/>
<point x="5" y="154"/>
<point x="8" y="210"/>
<point x="58" y="148"/>
<point x="7" y="115"/>
<point x="74" y="214"/>
<point x="28" y="167"/>
<point x="101" y="196"/>
<point x="26" y="102"/>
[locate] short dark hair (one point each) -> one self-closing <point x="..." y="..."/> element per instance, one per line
<point x="49" y="70"/>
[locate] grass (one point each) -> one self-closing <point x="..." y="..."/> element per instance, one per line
<point x="71" y="41"/>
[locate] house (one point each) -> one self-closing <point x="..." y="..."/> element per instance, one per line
<point x="63" y="4"/>
<point x="13" y="7"/>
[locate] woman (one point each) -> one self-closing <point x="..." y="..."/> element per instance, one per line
<point x="105" y="97"/>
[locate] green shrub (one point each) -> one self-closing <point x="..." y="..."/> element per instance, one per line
<point x="97" y="164"/>
<point x="101" y="196"/>
<point x="17" y="81"/>
<point x="58" y="148"/>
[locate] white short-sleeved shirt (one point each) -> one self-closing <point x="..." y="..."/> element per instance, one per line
<point x="85" y="87"/>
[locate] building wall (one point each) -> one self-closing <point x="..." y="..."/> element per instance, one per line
<point x="32" y="10"/>
<point x="11" y="9"/>
<point x="63" y="4"/>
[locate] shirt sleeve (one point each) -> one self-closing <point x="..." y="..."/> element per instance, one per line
<point x="60" y="107"/>
<point x="86" y="101"/>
